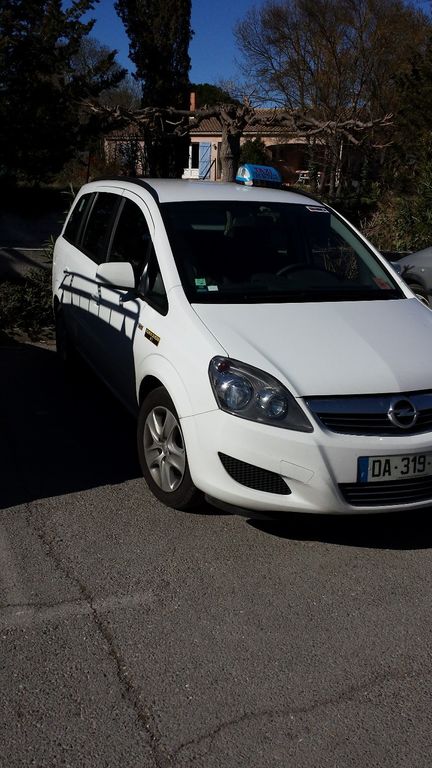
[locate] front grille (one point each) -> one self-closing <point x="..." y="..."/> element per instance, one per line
<point x="254" y="477"/>
<point x="368" y="415"/>
<point x="385" y="493"/>
<point x="372" y="424"/>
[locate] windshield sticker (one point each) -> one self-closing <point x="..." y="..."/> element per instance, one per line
<point x="151" y="336"/>
<point x="382" y="283"/>
<point x="213" y="287"/>
<point x="316" y="209"/>
<point x="200" y="282"/>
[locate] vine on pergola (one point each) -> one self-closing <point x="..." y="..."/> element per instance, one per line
<point x="234" y="119"/>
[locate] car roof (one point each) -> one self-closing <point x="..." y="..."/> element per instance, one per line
<point x="182" y="190"/>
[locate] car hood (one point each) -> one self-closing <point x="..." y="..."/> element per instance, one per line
<point x="335" y="348"/>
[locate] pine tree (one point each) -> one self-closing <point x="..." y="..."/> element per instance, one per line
<point x="159" y="32"/>
<point x="41" y="124"/>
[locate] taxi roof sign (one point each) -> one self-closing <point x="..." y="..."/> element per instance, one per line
<point x="258" y="176"/>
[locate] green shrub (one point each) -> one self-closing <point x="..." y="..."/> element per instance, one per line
<point x="26" y="305"/>
<point x="402" y="221"/>
<point x="254" y="151"/>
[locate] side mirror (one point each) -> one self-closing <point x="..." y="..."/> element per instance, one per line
<point x="119" y="274"/>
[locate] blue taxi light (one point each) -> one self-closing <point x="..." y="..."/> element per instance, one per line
<point x="258" y="176"/>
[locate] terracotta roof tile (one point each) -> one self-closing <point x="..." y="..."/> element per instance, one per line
<point x="212" y="125"/>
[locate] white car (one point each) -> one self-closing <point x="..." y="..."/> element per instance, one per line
<point x="274" y="359"/>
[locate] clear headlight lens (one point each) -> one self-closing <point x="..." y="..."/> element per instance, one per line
<point x="274" y="404"/>
<point x="234" y="391"/>
<point x="252" y="394"/>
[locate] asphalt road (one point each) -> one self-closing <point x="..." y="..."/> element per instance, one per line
<point x="134" y="635"/>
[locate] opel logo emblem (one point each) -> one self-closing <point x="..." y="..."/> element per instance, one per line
<point x="402" y="413"/>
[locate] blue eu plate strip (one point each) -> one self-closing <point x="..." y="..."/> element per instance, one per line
<point x="363" y="465"/>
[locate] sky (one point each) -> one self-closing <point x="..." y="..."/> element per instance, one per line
<point x="212" y="50"/>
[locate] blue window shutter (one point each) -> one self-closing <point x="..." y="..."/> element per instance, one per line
<point x="204" y="158"/>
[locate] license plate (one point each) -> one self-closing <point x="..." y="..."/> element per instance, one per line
<point x="372" y="469"/>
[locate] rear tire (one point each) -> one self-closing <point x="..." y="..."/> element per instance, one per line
<point x="162" y="452"/>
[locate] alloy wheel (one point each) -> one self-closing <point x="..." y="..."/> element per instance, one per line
<point x="164" y="449"/>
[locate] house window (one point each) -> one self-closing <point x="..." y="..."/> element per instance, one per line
<point x="195" y="155"/>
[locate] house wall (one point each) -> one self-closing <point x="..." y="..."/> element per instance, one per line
<point x="210" y="165"/>
<point x="289" y="156"/>
<point x="290" y="159"/>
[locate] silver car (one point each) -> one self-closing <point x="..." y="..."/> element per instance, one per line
<point x="416" y="270"/>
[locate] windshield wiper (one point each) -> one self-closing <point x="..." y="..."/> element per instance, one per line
<point x="337" y="294"/>
<point x="298" y="296"/>
<point x="320" y="295"/>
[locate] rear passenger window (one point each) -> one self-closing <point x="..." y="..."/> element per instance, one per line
<point x="98" y="228"/>
<point x="79" y="212"/>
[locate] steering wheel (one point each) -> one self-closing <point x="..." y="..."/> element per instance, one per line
<point x="291" y="268"/>
<point x="312" y="271"/>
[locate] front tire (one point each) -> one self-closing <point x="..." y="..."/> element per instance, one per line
<point x="162" y="452"/>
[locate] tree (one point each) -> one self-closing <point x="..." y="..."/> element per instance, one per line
<point x="333" y="62"/>
<point x="208" y="95"/>
<point x="94" y="61"/>
<point x="403" y="218"/>
<point x="95" y="66"/>
<point x="127" y="94"/>
<point x="233" y="118"/>
<point x="40" y="86"/>
<point x="159" y="32"/>
<point x="254" y="151"/>
<point x="413" y="142"/>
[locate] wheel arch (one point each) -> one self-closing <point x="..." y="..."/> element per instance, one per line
<point x="414" y="280"/>
<point x="420" y="291"/>
<point x="148" y="384"/>
<point x="160" y="373"/>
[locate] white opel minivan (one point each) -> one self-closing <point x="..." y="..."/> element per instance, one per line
<point x="274" y="360"/>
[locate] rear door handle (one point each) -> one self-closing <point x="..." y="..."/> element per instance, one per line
<point x="97" y="296"/>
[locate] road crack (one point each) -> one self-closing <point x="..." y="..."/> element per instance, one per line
<point x="351" y="693"/>
<point x="143" y="712"/>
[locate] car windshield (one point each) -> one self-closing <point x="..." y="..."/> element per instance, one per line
<point x="249" y="251"/>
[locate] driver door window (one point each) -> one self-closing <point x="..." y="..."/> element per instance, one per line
<point x="132" y="239"/>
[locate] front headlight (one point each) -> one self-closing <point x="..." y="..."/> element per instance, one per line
<point x="252" y="394"/>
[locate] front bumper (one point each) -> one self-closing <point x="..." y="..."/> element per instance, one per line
<point x="311" y="464"/>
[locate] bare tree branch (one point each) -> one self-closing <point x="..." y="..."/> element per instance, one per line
<point x="234" y="119"/>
